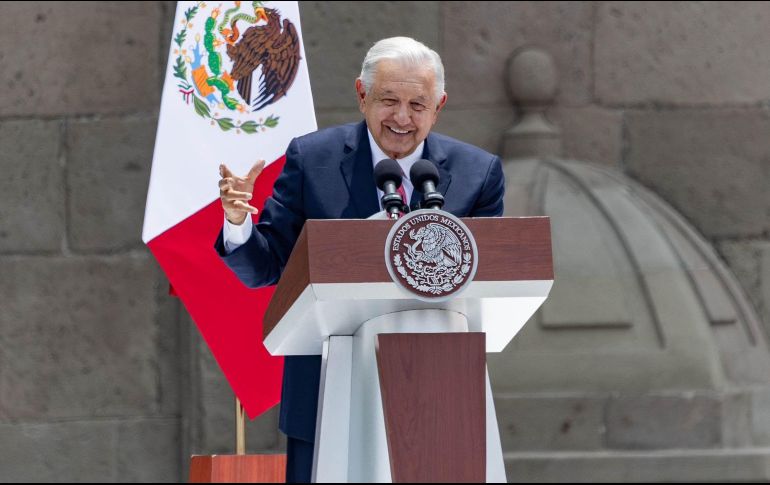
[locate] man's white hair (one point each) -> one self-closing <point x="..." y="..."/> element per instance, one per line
<point x="404" y="49"/>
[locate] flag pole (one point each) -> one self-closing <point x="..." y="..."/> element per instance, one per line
<point x="240" y="428"/>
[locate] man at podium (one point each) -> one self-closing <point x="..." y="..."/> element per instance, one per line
<point x="329" y="174"/>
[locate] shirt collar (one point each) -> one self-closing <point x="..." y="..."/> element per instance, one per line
<point x="405" y="163"/>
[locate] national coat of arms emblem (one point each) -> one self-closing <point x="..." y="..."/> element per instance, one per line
<point x="219" y="52"/>
<point x="431" y="254"/>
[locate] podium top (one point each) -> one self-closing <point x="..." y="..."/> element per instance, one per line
<point x="336" y="278"/>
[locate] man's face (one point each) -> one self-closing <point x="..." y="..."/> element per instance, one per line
<point x="401" y="107"/>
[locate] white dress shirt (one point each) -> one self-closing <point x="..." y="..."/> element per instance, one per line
<point x="405" y="163"/>
<point x="235" y="235"/>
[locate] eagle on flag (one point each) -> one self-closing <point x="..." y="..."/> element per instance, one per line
<point x="274" y="48"/>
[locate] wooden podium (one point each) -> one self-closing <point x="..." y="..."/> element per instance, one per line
<point x="238" y="469"/>
<point x="405" y="395"/>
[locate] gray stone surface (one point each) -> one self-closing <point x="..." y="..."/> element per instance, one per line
<point x="530" y="423"/>
<point x="172" y="360"/>
<point x="74" y="451"/>
<point x="608" y="240"/>
<point x="78" y="337"/>
<point x="132" y="450"/>
<point x="594" y="285"/>
<point x="682" y="52"/>
<point x="523" y="178"/>
<point x="744" y="360"/>
<point x="716" y="301"/>
<point x="108" y="174"/>
<point x="524" y="367"/>
<point x="167" y="17"/>
<point x="31" y="188"/>
<point x="710" y="165"/>
<point x="337" y="36"/>
<point x="745" y="259"/>
<point x="216" y="419"/>
<point x="750" y="465"/>
<point x="327" y="118"/>
<point x="737" y="420"/>
<point x="666" y="421"/>
<point x="760" y="417"/>
<point x="480" y="127"/>
<point x="147" y="450"/>
<point x="532" y="78"/>
<point x="478" y="40"/>
<point x="764" y="269"/>
<point x="79" y="57"/>
<point x="591" y="133"/>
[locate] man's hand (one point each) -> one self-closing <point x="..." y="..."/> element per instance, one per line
<point x="236" y="192"/>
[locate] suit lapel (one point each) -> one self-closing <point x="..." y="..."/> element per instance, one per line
<point x="358" y="172"/>
<point x="436" y="154"/>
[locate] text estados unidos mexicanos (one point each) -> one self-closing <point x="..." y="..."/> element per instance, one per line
<point x="431" y="218"/>
<point x="459" y="231"/>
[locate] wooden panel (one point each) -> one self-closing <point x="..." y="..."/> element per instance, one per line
<point x="513" y="249"/>
<point x="200" y="469"/>
<point x="433" y="395"/>
<point x="352" y="251"/>
<point x="238" y="469"/>
<point x="294" y="280"/>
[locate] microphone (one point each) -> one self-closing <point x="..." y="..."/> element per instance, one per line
<point x="425" y="175"/>
<point x="387" y="176"/>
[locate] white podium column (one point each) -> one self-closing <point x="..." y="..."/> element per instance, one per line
<point x="351" y="443"/>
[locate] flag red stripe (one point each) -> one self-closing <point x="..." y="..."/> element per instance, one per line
<point x="228" y="314"/>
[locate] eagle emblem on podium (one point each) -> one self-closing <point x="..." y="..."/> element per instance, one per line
<point x="233" y="63"/>
<point x="431" y="254"/>
<point x="440" y="247"/>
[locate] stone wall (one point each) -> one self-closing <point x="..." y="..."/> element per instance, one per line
<point x="89" y="340"/>
<point x="102" y="374"/>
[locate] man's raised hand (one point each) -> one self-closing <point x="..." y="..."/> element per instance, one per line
<point x="236" y="192"/>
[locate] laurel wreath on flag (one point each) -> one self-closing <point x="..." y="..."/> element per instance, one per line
<point x="188" y="90"/>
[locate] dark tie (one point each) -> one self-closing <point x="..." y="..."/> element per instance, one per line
<point x="402" y="193"/>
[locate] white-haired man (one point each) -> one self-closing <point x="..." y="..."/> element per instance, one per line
<point x="329" y="175"/>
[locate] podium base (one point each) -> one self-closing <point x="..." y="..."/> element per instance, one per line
<point x="351" y="436"/>
<point x="238" y="469"/>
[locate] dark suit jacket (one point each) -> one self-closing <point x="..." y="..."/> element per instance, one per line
<point x="328" y="175"/>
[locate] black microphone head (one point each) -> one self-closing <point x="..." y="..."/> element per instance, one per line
<point x="387" y="170"/>
<point x="423" y="171"/>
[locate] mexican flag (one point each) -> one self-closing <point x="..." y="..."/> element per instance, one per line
<point x="236" y="91"/>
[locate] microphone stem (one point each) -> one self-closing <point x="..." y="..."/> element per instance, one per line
<point x="391" y="200"/>
<point x="432" y="198"/>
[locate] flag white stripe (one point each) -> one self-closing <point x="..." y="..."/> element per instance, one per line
<point x="188" y="149"/>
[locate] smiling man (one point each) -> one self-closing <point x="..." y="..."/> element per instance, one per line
<point x="400" y="100"/>
<point x="329" y="174"/>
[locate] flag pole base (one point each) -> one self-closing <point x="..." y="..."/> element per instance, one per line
<point x="238" y="469"/>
